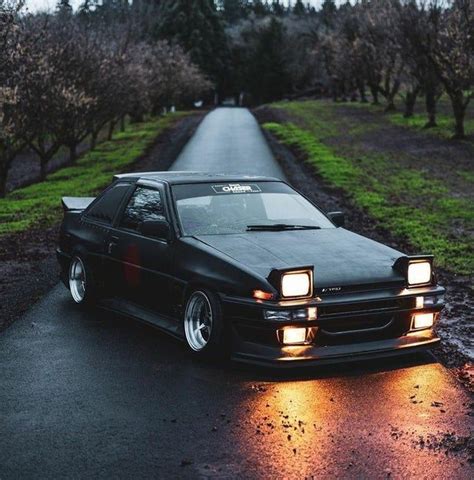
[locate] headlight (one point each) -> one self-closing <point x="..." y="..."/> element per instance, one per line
<point x="419" y="273"/>
<point x="296" y="284"/>
<point x="418" y="270"/>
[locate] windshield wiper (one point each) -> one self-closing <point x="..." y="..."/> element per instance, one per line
<point x="276" y="227"/>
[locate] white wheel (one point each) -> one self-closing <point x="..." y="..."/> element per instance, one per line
<point x="77" y="280"/>
<point x="198" y="321"/>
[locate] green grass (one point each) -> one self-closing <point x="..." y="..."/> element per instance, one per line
<point x="406" y="202"/>
<point x="444" y="128"/>
<point x="39" y="204"/>
<point x="466" y="175"/>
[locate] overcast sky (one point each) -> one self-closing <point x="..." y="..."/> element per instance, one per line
<point x="34" y="5"/>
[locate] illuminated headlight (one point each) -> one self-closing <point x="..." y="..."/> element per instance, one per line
<point x="419" y="273"/>
<point x="296" y="284"/>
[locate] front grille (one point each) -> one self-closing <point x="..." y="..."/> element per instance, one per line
<point x="362" y="328"/>
<point x="368" y="306"/>
<point x="340" y="326"/>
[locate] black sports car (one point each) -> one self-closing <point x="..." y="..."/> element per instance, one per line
<point x="245" y="266"/>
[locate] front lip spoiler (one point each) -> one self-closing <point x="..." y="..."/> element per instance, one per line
<point x="313" y="355"/>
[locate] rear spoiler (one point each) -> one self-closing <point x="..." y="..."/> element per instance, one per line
<point x="76" y="203"/>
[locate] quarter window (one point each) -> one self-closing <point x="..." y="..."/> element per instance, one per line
<point x="145" y="204"/>
<point x="103" y="210"/>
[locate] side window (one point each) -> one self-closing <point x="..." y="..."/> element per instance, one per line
<point x="104" y="209"/>
<point x="145" y="204"/>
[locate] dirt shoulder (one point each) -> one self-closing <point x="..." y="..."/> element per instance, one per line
<point x="28" y="267"/>
<point x="457" y="318"/>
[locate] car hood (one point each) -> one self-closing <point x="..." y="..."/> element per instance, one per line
<point x="340" y="257"/>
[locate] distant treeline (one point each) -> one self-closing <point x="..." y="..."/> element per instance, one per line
<point x="64" y="75"/>
<point x="388" y="49"/>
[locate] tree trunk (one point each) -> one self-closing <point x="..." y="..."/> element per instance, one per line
<point x="459" y="110"/>
<point x="111" y="130"/>
<point x="430" y="100"/>
<point x="375" y="94"/>
<point x="45" y="157"/>
<point x="73" y="153"/>
<point x="391" y="93"/>
<point x="410" y="101"/>
<point x="136" y="117"/>
<point x="3" y="180"/>
<point x="361" y="88"/>
<point x="390" y="105"/>
<point x="94" y="136"/>
<point x="43" y="167"/>
<point x="122" y="123"/>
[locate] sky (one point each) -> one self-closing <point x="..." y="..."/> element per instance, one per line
<point x="35" y="5"/>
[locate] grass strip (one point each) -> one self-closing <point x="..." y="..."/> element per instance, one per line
<point x="39" y="205"/>
<point x="402" y="200"/>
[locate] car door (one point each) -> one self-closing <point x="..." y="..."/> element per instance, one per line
<point x="95" y="225"/>
<point x="142" y="264"/>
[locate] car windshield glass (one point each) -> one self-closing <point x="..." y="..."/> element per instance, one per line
<point x="216" y="209"/>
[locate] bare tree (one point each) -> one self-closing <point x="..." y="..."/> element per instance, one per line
<point x="453" y="57"/>
<point x="10" y="58"/>
<point x="416" y="31"/>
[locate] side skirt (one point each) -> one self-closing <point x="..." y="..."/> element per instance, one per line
<point x="123" y="307"/>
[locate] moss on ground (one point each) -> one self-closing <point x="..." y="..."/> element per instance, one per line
<point x="404" y="200"/>
<point x="39" y="205"/>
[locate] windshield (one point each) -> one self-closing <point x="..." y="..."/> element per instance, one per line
<point x="216" y="209"/>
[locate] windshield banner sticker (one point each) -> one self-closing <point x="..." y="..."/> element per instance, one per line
<point x="237" y="188"/>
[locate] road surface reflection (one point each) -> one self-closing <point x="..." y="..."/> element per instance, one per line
<point x="352" y="424"/>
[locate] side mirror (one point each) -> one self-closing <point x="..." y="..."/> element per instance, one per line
<point x="337" y="218"/>
<point x="156" y="229"/>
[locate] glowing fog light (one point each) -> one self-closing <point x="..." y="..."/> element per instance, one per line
<point x="422" y="320"/>
<point x="419" y="273"/>
<point x="296" y="284"/>
<point x="293" y="336"/>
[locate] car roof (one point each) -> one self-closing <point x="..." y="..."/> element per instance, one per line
<point x="175" y="177"/>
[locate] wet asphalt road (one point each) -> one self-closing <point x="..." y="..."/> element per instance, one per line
<point x="229" y="140"/>
<point x="90" y="394"/>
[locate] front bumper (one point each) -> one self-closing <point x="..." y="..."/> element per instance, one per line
<point x="351" y="326"/>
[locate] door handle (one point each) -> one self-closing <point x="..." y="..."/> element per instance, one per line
<point x="112" y="243"/>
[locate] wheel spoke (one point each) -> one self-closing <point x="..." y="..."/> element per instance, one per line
<point x="77" y="280"/>
<point x="198" y="321"/>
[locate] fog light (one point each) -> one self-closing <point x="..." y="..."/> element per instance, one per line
<point x="292" y="336"/>
<point x="422" y="320"/>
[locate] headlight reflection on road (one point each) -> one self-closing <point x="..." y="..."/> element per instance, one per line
<point x="351" y="426"/>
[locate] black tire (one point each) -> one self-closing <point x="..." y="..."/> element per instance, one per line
<point x="215" y="344"/>
<point x="81" y="282"/>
